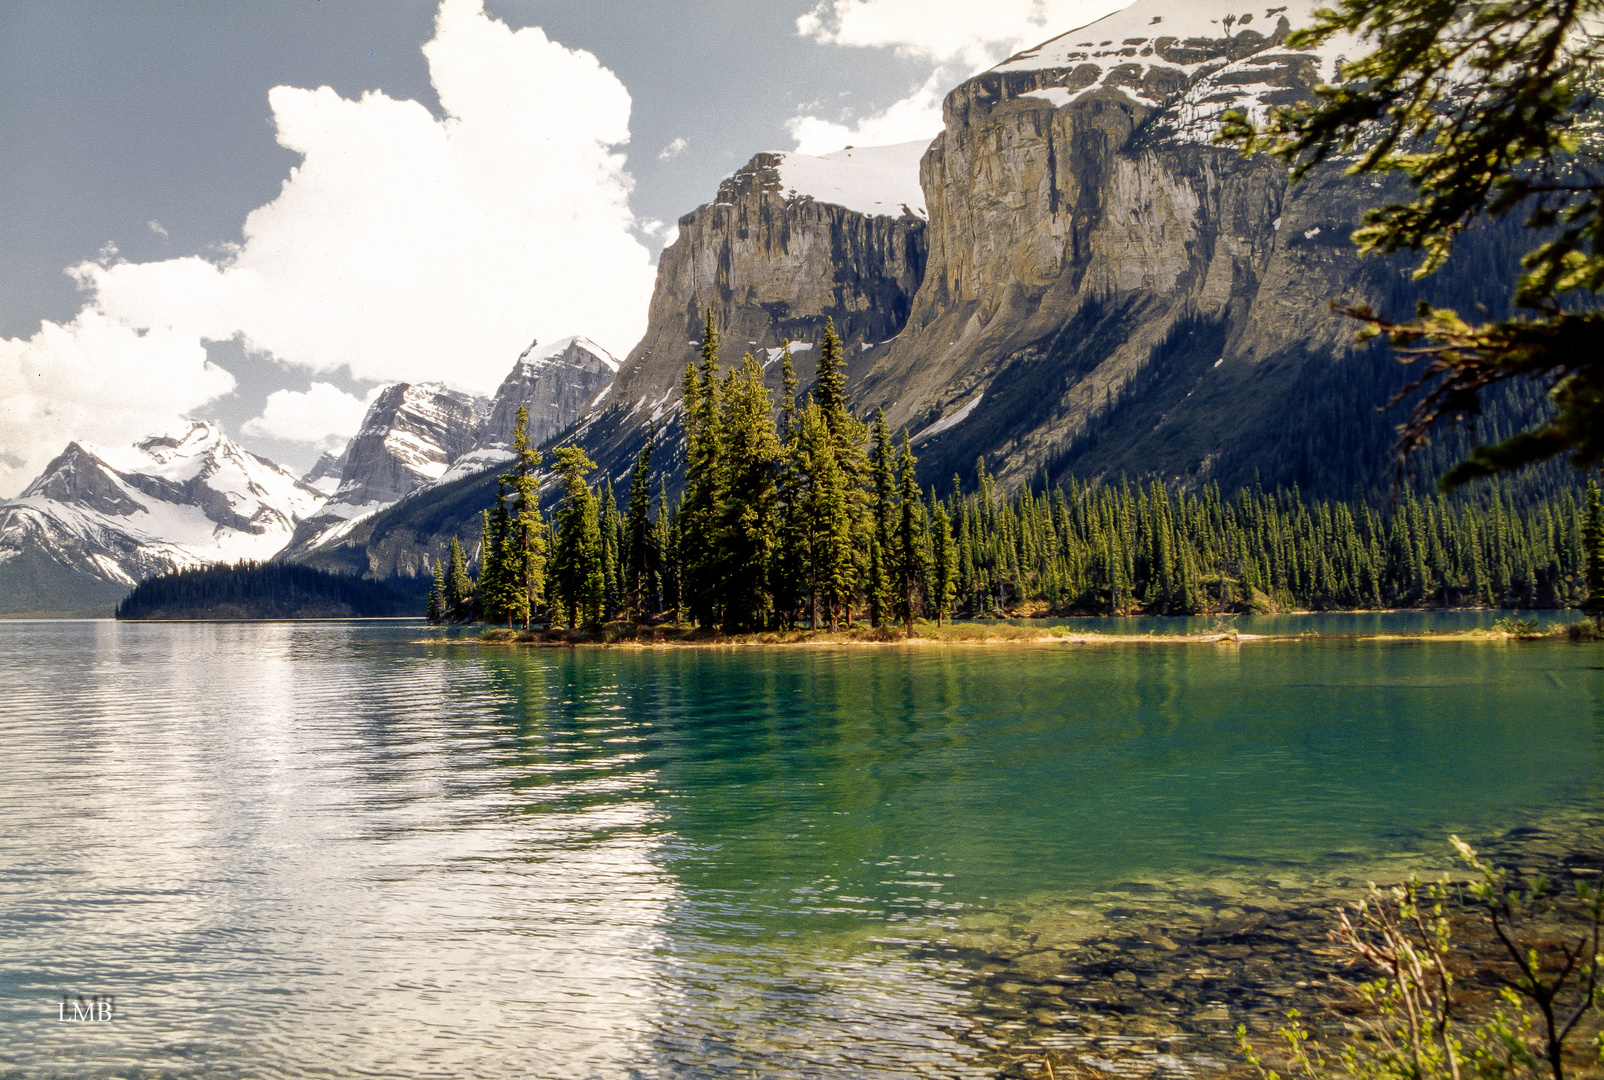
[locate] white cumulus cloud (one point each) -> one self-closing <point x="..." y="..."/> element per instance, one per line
<point x="673" y="150"/>
<point x="323" y="417"/>
<point x="403" y="246"/>
<point x="958" y="37"/>
<point x="95" y="379"/>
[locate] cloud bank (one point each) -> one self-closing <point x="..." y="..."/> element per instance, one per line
<point x="958" y="37"/>
<point x="404" y="246"/>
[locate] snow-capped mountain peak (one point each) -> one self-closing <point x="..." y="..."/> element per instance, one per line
<point x="180" y="499"/>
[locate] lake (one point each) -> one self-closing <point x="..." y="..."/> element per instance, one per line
<point x="340" y="849"/>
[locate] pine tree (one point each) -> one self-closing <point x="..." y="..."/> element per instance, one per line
<point x="437" y="594"/>
<point x="704" y="481"/>
<point x="526" y="555"/>
<point x="577" y="564"/>
<point x="1593" y="540"/>
<point x="945" y="562"/>
<point x="640" y="549"/>
<point x="788" y="576"/>
<point x="880" y="592"/>
<point x="459" y="586"/>
<point x="827" y="513"/>
<point x="612" y="539"/>
<point x="910" y="547"/>
<point x="748" y="530"/>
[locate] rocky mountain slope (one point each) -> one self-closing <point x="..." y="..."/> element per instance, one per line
<point x="409" y="437"/>
<point x="100" y="519"/>
<point x="557" y="384"/>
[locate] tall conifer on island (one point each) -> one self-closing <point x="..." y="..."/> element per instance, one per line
<point x="640" y="549"/>
<point x="833" y="574"/>
<point x="1593" y="540"/>
<point x="612" y="541"/>
<point x="789" y="575"/>
<point x="527" y="566"/>
<point x="747" y="533"/>
<point x="880" y="591"/>
<point x="577" y="568"/>
<point x="945" y="559"/>
<point x="459" y="586"/>
<point x="704" y="467"/>
<point x="910" y="537"/>
<point x="497" y="588"/>
<point x="437" y="594"/>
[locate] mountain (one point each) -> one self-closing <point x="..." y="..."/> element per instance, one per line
<point x="1081" y="282"/>
<point x="410" y="436"/>
<point x="789" y="241"/>
<point x="1103" y="291"/>
<point x="558" y="385"/>
<point x="99" y="519"/>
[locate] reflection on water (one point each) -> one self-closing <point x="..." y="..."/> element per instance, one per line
<point x="330" y="848"/>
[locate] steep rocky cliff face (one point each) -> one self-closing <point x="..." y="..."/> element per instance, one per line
<point x="790" y="241"/>
<point x="1088" y="243"/>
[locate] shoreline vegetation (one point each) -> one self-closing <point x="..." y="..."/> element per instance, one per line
<point x="992" y="633"/>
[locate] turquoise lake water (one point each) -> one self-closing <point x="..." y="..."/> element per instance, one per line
<point x="338" y="849"/>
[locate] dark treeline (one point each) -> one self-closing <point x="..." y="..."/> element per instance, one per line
<point x="803" y="515"/>
<point x="262" y="591"/>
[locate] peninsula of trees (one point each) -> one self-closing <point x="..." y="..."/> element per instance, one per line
<point x="263" y="591"/>
<point x="801" y="515"/>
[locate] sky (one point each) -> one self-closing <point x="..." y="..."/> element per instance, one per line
<point x="261" y="213"/>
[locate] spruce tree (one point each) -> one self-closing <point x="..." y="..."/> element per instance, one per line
<point x="788" y="575"/>
<point x="827" y="513"/>
<point x="527" y="541"/>
<point x="945" y="562"/>
<point x="910" y="535"/>
<point x="704" y="480"/>
<point x="577" y="564"/>
<point x="640" y="536"/>
<point x="459" y="586"/>
<point x="1593" y="541"/>
<point x="612" y="537"/>
<point x="748" y="525"/>
<point x="880" y="591"/>
<point x="437" y="594"/>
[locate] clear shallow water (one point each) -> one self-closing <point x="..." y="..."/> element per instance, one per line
<point x="328" y="849"/>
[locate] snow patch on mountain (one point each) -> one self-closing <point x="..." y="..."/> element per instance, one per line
<point x="1201" y="58"/>
<point x="872" y="180"/>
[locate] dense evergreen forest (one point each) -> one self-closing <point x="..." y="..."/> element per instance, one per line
<point x="806" y="516"/>
<point x="262" y="591"/>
